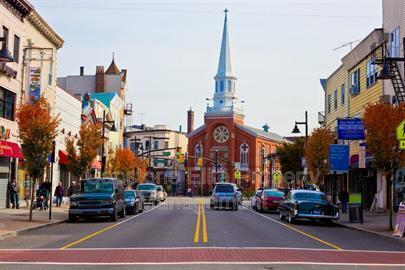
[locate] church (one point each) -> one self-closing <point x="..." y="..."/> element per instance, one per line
<point x="224" y="148"/>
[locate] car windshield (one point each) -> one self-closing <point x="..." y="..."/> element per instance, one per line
<point x="310" y="196"/>
<point x="273" y="193"/>
<point x="146" y="187"/>
<point x="129" y="194"/>
<point x="225" y="189"/>
<point x="97" y="186"/>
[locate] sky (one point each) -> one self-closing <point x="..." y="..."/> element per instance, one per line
<point x="279" y="49"/>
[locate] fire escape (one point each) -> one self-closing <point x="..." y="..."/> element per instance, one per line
<point x="390" y="69"/>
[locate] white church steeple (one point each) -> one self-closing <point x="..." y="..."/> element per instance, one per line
<point x="225" y="91"/>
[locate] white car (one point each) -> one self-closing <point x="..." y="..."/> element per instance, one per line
<point x="253" y="200"/>
<point x="161" y="194"/>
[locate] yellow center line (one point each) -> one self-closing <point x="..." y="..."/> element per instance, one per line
<point x="197" y="225"/>
<point x="204" y="223"/>
<point x="299" y="231"/>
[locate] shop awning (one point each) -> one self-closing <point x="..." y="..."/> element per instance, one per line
<point x="96" y="165"/>
<point x="63" y="157"/>
<point x="11" y="150"/>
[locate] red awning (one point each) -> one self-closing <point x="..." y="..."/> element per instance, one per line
<point x="63" y="157"/>
<point x="11" y="150"/>
<point x="96" y="165"/>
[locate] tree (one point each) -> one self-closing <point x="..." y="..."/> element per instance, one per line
<point x="37" y="129"/>
<point x="123" y="163"/>
<point x="381" y="121"/>
<point x="83" y="151"/>
<point x="317" y="154"/>
<point x="290" y="155"/>
<point x="140" y="169"/>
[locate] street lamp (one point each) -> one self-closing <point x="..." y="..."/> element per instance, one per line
<point x="5" y="55"/>
<point x="113" y="129"/>
<point x="297" y="130"/>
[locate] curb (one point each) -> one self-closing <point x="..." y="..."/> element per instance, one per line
<point x="369" y="231"/>
<point x="17" y="232"/>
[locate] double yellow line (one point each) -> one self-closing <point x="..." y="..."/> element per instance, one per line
<point x="201" y="217"/>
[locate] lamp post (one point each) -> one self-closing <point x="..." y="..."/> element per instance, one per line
<point x="113" y="128"/>
<point x="216" y="166"/>
<point x="5" y="55"/>
<point x="263" y="164"/>
<point x="296" y="130"/>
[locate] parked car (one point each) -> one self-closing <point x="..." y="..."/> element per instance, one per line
<point x="269" y="200"/>
<point x="161" y="193"/>
<point x="149" y="192"/>
<point x="224" y="195"/>
<point x="134" y="202"/>
<point x="309" y="204"/>
<point x="98" y="197"/>
<point x="255" y="198"/>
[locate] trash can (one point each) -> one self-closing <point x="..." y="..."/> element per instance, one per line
<point x="354" y="213"/>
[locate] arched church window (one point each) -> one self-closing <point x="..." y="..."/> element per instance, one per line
<point x="244" y="154"/>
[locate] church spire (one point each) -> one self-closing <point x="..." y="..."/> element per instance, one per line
<point x="224" y="65"/>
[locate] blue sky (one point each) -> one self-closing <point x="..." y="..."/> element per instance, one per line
<point x="279" y="50"/>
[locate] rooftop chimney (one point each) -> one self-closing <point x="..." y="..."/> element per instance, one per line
<point x="81" y="71"/>
<point x="99" y="79"/>
<point x="190" y="121"/>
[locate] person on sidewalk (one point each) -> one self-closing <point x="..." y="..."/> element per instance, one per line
<point x="13" y="191"/>
<point x="72" y="189"/>
<point x="59" y="192"/>
<point x="344" y="199"/>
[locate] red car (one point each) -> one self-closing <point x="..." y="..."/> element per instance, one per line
<point x="269" y="200"/>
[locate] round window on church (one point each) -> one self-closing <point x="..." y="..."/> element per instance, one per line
<point x="221" y="134"/>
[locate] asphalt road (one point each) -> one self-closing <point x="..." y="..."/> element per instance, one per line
<point x="190" y="223"/>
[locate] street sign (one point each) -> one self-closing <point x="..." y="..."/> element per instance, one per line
<point x="338" y="157"/>
<point x="237" y="166"/>
<point x="402" y="145"/>
<point x="166" y="154"/>
<point x="401" y="131"/>
<point x="237" y="175"/>
<point x="200" y="161"/>
<point x="277" y="176"/>
<point x="350" y="129"/>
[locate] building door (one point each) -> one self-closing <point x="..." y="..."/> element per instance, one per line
<point x="4" y="179"/>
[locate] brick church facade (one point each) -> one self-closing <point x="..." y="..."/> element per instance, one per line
<point x="225" y="143"/>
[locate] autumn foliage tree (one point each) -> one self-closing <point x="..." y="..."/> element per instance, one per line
<point x="37" y="129"/>
<point x="123" y="163"/>
<point x="290" y="155"/>
<point x="83" y="151"/>
<point x="381" y="121"/>
<point x="140" y="170"/>
<point x="317" y="154"/>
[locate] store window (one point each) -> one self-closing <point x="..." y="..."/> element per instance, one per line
<point x="7" y="104"/>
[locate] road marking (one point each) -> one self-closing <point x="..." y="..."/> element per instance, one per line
<point x="197" y="225"/>
<point x="297" y="230"/>
<point x="107" y="229"/>
<point x="204" y="223"/>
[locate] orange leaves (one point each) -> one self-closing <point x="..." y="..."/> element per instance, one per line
<point x="123" y="162"/>
<point x="84" y="150"/>
<point x="380" y="121"/>
<point x="317" y="153"/>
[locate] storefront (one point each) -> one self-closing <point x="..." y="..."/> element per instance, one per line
<point x="9" y="152"/>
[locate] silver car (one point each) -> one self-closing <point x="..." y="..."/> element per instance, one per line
<point x="160" y="193"/>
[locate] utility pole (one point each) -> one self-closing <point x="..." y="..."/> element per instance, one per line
<point x="216" y="166"/>
<point x="263" y="164"/>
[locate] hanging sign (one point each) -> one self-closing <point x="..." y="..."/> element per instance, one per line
<point x="35" y="83"/>
<point x="350" y="129"/>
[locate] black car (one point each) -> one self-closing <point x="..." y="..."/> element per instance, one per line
<point x="98" y="197"/>
<point x="307" y="204"/>
<point x="133" y="202"/>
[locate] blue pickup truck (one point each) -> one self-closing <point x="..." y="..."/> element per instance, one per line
<point x="98" y="197"/>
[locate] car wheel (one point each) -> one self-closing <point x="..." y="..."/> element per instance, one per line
<point x="141" y="210"/>
<point x="123" y="212"/>
<point x="282" y="217"/>
<point x="260" y="208"/>
<point x="290" y="219"/>
<point x="156" y="202"/>
<point x="329" y="222"/>
<point x="72" y="218"/>
<point x="114" y="215"/>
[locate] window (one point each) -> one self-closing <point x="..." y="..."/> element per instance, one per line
<point x="166" y="145"/>
<point x="7" y="104"/>
<point x="244" y="154"/>
<point x="371" y="71"/>
<point x="16" y="52"/>
<point x="216" y="86"/>
<point x="229" y="86"/>
<point x="156" y="145"/>
<point x="395" y="43"/>
<point x="329" y="103"/>
<point x="335" y="101"/>
<point x="221" y="86"/>
<point x="147" y="145"/>
<point x="342" y="95"/>
<point x="355" y="82"/>
<point x="50" y="77"/>
<point x="5" y="35"/>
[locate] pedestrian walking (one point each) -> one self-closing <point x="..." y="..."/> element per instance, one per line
<point x="59" y="192"/>
<point x="189" y="192"/>
<point x="13" y="191"/>
<point x="344" y="199"/>
<point x="72" y="189"/>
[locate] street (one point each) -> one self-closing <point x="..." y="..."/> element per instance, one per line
<point x="182" y="231"/>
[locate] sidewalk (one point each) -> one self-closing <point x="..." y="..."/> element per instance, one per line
<point x="376" y="223"/>
<point x="13" y="221"/>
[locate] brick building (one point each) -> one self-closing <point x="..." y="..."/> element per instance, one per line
<point x="225" y="142"/>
